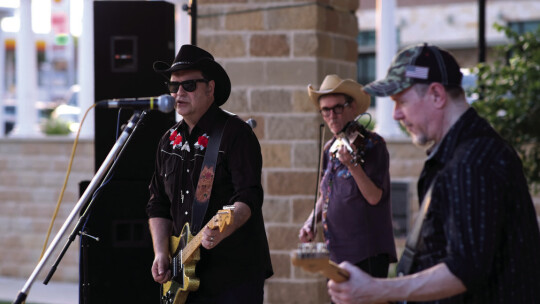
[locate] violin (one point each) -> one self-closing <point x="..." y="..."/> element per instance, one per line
<point x="353" y="137"/>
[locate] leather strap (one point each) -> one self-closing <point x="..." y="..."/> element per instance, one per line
<point x="208" y="169"/>
<point x="405" y="262"/>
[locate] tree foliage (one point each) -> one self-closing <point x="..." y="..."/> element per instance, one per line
<point x="509" y="96"/>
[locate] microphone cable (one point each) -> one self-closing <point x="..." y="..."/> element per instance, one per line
<point x="61" y="196"/>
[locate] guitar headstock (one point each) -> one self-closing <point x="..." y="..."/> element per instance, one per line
<point x="314" y="257"/>
<point x="311" y="257"/>
<point x="222" y="219"/>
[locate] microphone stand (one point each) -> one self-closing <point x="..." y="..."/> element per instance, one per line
<point x="104" y="170"/>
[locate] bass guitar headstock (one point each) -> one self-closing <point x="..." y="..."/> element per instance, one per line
<point x="222" y="219"/>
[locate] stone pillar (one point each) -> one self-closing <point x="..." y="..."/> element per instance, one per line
<point x="272" y="50"/>
<point x="86" y="69"/>
<point x="386" y="48"/>
<point x="26" y="67"/>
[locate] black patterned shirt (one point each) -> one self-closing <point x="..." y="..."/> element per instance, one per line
<point x="481" y="223"/>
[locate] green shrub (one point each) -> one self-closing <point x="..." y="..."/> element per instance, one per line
<point x="509" y="96"/>
<point x="56" y="127"/>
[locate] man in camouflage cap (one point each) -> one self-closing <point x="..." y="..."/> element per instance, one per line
<point x="479" y="240"/>
<point x="419" y="64"/>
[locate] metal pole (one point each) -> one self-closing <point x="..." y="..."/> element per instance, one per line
<point x="481" y="31"/>
<point x="193" y="13"/>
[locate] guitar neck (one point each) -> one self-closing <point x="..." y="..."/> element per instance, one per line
<point x="222" y="219"/>
<point x="336" y="273"/>
<point x="193" y="245"/>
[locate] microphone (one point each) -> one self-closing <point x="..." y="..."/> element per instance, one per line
<point x="164" y="103"/>
<point x="252" y="123"/>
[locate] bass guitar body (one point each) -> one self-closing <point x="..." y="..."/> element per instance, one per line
<point x="183" y="278"/>
<point x="185" y="252"/>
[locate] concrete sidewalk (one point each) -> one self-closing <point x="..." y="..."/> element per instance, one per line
<point x="52" y="293"/>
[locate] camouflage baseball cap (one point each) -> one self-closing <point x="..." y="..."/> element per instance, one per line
<point x="417" y="64"/>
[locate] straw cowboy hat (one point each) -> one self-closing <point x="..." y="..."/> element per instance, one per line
<point x="332" y="84"/>
<point x="190" y="57"/>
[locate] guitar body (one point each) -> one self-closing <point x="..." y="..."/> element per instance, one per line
<point x="183" y="278"/>
<point x="185" y="252"/>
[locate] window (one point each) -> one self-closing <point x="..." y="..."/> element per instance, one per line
<point x="524" y="26"/>
<point x="366" y="69"/>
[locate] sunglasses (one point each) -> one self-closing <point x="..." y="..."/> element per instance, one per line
<point x="337" y="109"/>
<point x="188" y="85"/>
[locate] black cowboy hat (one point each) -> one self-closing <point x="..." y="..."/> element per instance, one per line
<point x="191" y="57"/>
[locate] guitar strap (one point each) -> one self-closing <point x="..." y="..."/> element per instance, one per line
<point x="405" y="262"/>
<point x="208" y="169"/>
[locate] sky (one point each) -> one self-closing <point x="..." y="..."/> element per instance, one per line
<point x="41" y="16"/>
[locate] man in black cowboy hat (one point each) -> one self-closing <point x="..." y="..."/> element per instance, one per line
<point x="234" y="262"/>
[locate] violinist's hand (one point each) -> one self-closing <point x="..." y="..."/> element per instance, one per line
<point x="306" y="233"/>
<point x="345" y="156"/>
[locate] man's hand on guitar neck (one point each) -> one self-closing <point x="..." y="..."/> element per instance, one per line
<point x="212" y="237"/>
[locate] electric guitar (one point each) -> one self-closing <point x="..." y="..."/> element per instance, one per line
<point x="185" y="254"/>
<point x="314" y="257"/>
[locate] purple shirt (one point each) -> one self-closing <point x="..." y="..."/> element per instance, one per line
<point x="354" y="229"/>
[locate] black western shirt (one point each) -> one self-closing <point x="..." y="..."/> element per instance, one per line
<point x="245" y="253"/>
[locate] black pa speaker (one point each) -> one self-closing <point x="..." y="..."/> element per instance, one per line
<point x="128" y="37"/>
<point x="116" y="252"/>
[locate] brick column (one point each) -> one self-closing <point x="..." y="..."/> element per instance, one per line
<point x="272" y="51"/>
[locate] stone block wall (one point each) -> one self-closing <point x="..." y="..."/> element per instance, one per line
<point x="32" y="173"/>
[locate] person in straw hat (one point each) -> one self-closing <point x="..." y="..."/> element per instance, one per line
<point x="234" y="262"/>
<point x="354" y="202"/>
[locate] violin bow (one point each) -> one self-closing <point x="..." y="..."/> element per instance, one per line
<point x="319" y="169"/>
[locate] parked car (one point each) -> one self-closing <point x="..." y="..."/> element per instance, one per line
<point x="469" y="83"/>
<point x="68" y="114"/>
<point x="44" y="110"/>
<point x="9" y="118"/>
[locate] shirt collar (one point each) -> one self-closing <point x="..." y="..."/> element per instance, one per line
<point x="457" y="133"/>
<point x="205" y="123"/>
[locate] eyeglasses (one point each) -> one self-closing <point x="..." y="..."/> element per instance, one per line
<point x="188" y="85"/>
<point x="337" y="109"/>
